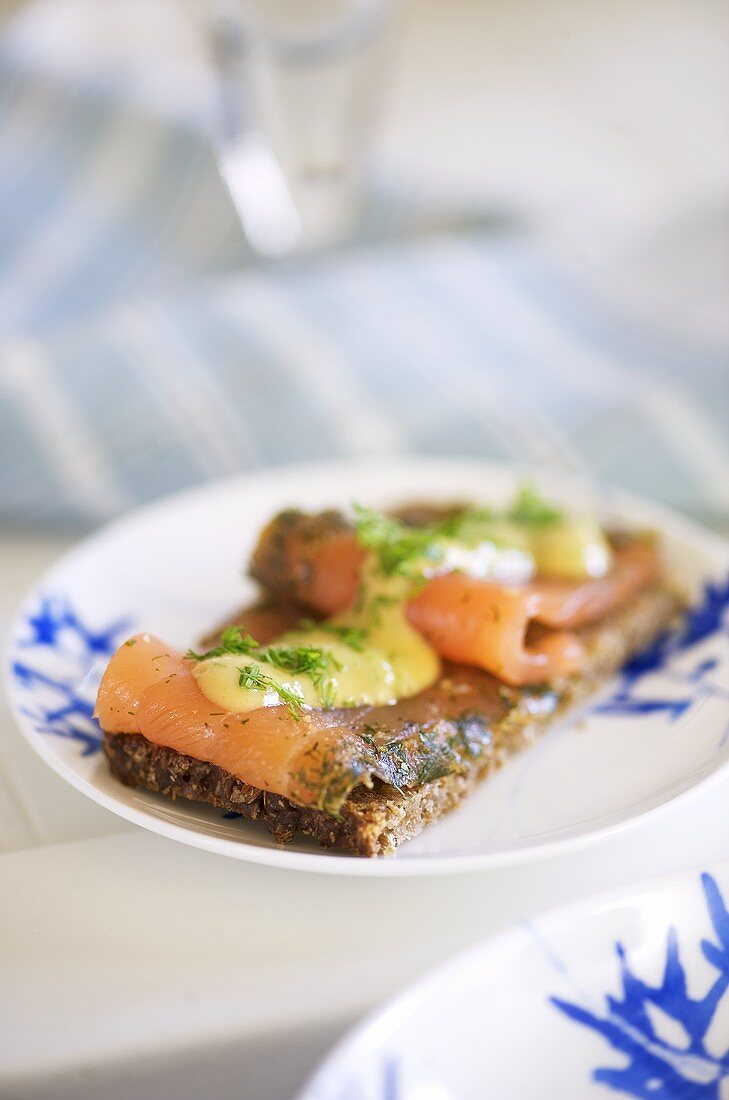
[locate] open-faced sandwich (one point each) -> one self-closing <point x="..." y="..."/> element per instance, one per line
<point x="390" y="664"/>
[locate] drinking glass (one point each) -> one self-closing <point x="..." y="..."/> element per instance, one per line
<point x="301" y="83"/>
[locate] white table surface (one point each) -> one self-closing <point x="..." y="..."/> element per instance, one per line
<point x="134" y="967"/>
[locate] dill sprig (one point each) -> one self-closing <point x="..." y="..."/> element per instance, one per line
<point x="232" y="640"/>
<point x="307" y="660"/>
<point x="532" y="510"/>
<point x="251" y="676"/>
<point x="302" y="660"/>
<point x="353" y="636"/>
<point x="456" y="525"/>
<point x="399" y="547"/>
<point x="396" y="546"/>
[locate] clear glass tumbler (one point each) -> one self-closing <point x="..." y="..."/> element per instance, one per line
<point x="301" y="83"/>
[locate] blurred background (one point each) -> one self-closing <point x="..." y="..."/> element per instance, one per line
<point x="252" y="232"/>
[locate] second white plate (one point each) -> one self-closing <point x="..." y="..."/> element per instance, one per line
<point x="620" y="995"/>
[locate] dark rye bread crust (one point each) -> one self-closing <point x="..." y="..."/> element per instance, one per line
<point x="376" y="821"/>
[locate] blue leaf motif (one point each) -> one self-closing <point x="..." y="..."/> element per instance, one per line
<point x="390" y="1086"/>
<point x="708" y="617"/>
<point x="656" y="1066"/>
<point x="63" y="703"/>
<point x="56" y="622"/>
<point x="706" y="620"/>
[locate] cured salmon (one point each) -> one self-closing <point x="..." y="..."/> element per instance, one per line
<point x="313" y="560"/>
<point x="315" y="760"/>
<point x="474" y="622"/>
<point x="149" y="688"/>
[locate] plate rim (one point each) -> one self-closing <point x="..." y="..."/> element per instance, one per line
<point x="712" y="543"/>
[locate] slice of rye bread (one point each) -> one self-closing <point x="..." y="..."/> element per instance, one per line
<point x="376" y="821"/>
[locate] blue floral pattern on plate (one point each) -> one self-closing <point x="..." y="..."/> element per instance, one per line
<point x="683" y="1067"/>
<point x="61" y="702"/>
<point x="706" y="619"/>
<point x="658" y="1069"/>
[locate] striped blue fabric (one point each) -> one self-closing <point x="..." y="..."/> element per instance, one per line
<point x="141" y="348"/>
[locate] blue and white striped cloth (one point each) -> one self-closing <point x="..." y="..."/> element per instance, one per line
<point x="141" y="349"/>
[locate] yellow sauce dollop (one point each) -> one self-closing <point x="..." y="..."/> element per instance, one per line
<point x="394" y="661"/>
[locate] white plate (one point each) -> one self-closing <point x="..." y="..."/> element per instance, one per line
<point x="176" y="567"/>
<point x="624" y="995"/>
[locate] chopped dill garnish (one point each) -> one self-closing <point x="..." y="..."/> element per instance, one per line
<point x="532" y="510"/>
<point x="232" y="640"/>
<point x="457" y="525"/>
<point x="131" y="642"/>
<point x="301" y="660"/>
<point x="306" y="660"/>
<point x="353" y="636"/>
<point x="396" y="546"/>
<point x="327" y="694"/>
<point x="399" y="548"/>
<point x="251" y="677"/>
<point x="377" y="603"/>
<point x="381" y="599"/>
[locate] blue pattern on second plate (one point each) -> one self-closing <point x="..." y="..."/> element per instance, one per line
<point x="659" y="1068"/>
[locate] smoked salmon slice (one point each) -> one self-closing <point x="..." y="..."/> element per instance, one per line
<point x="474" y="622"/>
<point x="572" y="604"/>
<point x="313" y="560"/>
<point x="149" y="689"/>
<point x="470" y="622"/>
